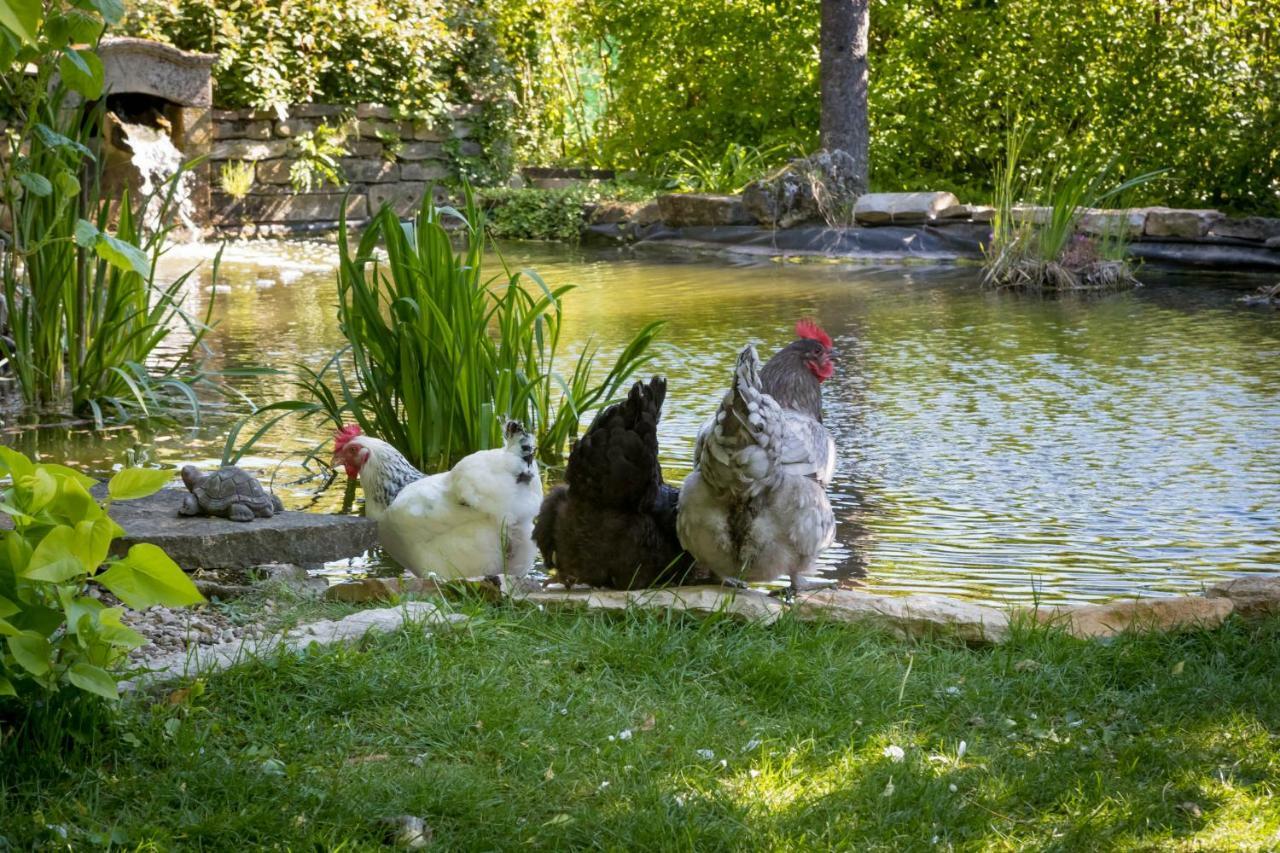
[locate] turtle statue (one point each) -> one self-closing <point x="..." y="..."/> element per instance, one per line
<point x="229" y="492"/>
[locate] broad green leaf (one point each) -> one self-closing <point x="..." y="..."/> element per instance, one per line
<point x="43" y="489"/>
<point x="50" y="138"/>
<point x="115" y="632"/>
<point x="74" y="504"/>
<point x="37" y="185"/>
<point x="133" y="483"/>
<point x="21" y="17"/>
<point x="93" y="541"/>
<point x="66" y="184"/>
<point x="32" y="652"/>
<point x="7" y="607"/>
<point x="86" y="234"/>
<point x="82" y="72"/>
<point x="122" y="255"/>
<point x="78" y="608"/>
<point x="13" y="461"/>
<point x="63" y="471"/>
<point x="6" y="687"/>
<point x="48" y="561"/>
<point x="147" y="577"/>
<point x="83" y="27"/>
<point x="93" y="679"/>
<point x="7" y="629"/>
<point x="111" y="10"/>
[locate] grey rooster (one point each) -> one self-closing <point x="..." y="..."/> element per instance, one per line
<point x="613" y="522"/>
<point x="755" y="507"/>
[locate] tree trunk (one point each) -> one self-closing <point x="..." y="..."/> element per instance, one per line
<point x="843" y="72"/>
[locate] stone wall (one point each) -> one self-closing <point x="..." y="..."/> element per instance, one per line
<point x="388" y="162"/>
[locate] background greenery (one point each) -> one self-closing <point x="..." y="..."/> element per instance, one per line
<point x="625" y="83"/>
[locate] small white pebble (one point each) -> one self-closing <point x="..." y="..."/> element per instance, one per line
<point x="751" y="745"/>
<point x="962" y="749"/>
<point x="625" y="734"/>
<point x="953" y="691"/>
<point x="894" y="753"/>
<point x="705" y="754"/>
<point x="753" y="773"/>
<point x="724" y="763"/>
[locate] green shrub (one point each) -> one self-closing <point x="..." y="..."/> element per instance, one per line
<point x="55" y="635"/>
<point x="534" y="214"/>
<point x="317" y="154"/>
<point x="1177" y="84"/>
<point x="439" y="356"/>
<point x="735" y="167"/>
<point x="236" y="178"/>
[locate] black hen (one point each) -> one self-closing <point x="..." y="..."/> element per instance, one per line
<point x="613" y="522"/>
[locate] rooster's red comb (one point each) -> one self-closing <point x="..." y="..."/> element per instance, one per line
<point x="344" y="435"/>
<point x="807" y="328"/>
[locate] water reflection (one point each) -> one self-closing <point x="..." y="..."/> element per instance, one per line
<point x="991" y="446"/>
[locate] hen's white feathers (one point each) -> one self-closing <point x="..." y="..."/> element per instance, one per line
<point x="471" y="521"/>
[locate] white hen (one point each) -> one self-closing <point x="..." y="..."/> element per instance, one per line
<point x="475" y="520"/>
<point x="755" y="507"/>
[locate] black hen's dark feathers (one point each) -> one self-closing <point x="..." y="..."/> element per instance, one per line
<point x="614" y="521"/>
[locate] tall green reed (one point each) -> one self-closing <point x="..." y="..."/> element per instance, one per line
<point x="439" y="355"/>
<point x="86" y="320"/>
<point x="1044" y="247"/>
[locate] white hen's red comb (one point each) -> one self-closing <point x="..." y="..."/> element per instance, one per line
<point x="806" y="328"/>
<point x="344" y="435"/>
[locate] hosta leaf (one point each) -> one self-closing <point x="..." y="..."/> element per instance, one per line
<point x="7" y="629"/>
<point x="37" y="185"/>
<point x="82" y="72"/>
<point x="7" y="607"/>
<point x="32" y="652"/>
<point x="93" y="679"/>
<point x="137" y="483"/>
<point x="93" y="540"/>
<point x="147" y="577"/>
<point x="6" y="687"/>
<point x="21" y="17"/>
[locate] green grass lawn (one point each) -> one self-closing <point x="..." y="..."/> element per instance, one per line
<point x="538" y="730"/>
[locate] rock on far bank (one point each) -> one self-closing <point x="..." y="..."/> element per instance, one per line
<point x="1177" y="613"/>
<point x="901" y="208"/>
<point x="1251" y="596"/>
<point x="686" y="210"/>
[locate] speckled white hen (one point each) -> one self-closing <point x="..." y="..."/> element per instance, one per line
<point x="475" y="520"/>
<point x="755" y="507"/>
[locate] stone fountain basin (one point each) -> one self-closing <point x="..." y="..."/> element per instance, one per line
<point x="301" y="538"/>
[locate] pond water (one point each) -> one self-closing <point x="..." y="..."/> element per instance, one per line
<point x="993" y="446"/>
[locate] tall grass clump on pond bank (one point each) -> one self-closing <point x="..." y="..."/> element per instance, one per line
<point x="439" y="355"/>
<point x="1046" y="248"/>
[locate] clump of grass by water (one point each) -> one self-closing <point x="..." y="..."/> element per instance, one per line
<point x="236" y="178"/>
<point x="439" y="355"/>
<point x="693" y="170"/>
<point x="647" y="730"/>
<point x="1046" y="249"/>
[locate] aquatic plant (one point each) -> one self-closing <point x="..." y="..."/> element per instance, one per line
<point x="1044" y="248"/>
<point x="236" y="178"/>
<point x="439" y="355"/>
<point x="57" y="636"/>
<point x="85" y="317"/>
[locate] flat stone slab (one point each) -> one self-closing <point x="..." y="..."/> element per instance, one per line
<point x="749" y="604"/>
<point x="1252" y="597"/>
<point x="1180" y="613"/>
<point x="909" y="615"/>
<point x="300" y="538"/>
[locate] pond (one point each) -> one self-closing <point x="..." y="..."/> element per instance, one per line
<point x="992" y="446"/>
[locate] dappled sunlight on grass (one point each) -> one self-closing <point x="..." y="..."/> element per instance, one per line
<point x="650" y="730"/>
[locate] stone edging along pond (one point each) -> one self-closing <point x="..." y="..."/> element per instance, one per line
<point x="913" y="616"/>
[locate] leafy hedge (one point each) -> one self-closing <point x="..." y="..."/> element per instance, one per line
<point x="1152" y="83"/>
